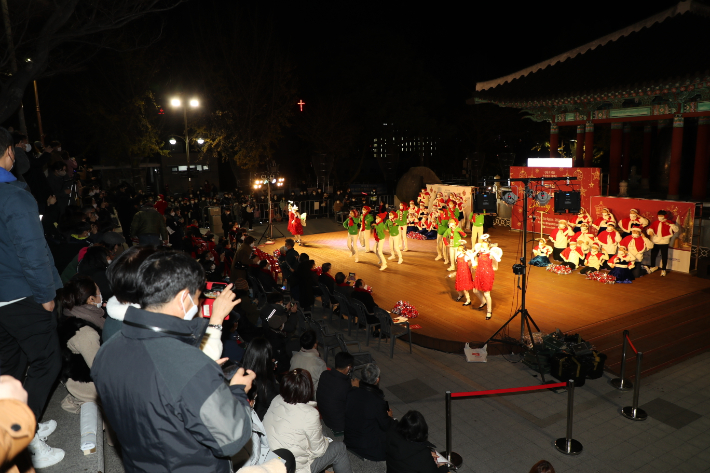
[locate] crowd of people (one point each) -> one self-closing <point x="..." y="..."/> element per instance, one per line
<point x="605" y="244"/>
<point x="121" y="297"/>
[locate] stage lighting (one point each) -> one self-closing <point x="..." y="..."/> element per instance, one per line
<point x="543" y="197"/>
<point x="567" y="201"/>
<point x="486" y="201"/>
<point x="509" y="197"/>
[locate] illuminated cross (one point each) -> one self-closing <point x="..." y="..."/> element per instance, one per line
<point x="301" y="103"/>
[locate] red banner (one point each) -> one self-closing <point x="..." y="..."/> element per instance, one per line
<point x="587" y="183"/>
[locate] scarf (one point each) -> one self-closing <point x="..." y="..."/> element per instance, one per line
<point x="88" y="312"/>
<point x="116" y="310"/>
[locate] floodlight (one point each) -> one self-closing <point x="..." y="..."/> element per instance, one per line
<point x="509" y="197"/>
<point x="543" y="197"/>
<point x="194" y="103"/>
<point x="175" y="102"/>
<point x="173" y="141"/>
<point x="200" y="141"/>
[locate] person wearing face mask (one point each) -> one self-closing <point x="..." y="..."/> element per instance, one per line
<point x="152" y="377"/>
<point x="635" y="220"/>
<point x="661" y="231"/>
<point x="609" y="239"/>
<point x="28" y="285"/>
<point x="22" y="162"/>
<point x="59" y="184"/>
<point x="79" y="329"/>
<point x="560" y="237"/>
<point x="600" y="224"/>
<point x="637" y="244"/>
<point x="622" y="265"/>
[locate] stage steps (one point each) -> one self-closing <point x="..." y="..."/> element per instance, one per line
<point x="667" y="333"/>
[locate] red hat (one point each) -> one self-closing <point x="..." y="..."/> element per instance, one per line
<point x="382" y="216"/>
<point x="393" y="213"/>
<point x="355" y="212"/>
<point x="450" y="201"/>
<point x="454" y="220"/>
<point x="366" y="209"/>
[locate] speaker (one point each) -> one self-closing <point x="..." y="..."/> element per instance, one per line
<point x="567" y="201"/>
<point x="216" y="224"/>
<point x="486" y="201"/>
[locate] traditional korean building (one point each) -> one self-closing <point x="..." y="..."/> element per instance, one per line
<point x="652" y="77"/>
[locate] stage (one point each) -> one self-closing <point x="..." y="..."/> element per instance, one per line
<point x="568" y="302"/>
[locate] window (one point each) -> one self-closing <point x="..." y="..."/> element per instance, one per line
<point x="174" y="169"/>
<point x="199" y="167"/>
<point x="182" y="168"/>
<point x="205" y="167"/>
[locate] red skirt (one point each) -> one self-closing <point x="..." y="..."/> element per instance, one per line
<point x="464" y="281"/>
<point x="297" y="227"/>
<point x="484" y="274"/>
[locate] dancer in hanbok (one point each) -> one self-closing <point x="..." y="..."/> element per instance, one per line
<point x="464" y="280"/>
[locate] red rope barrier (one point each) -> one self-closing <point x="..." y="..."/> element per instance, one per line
<point x="632" y="345"/>
<point x="509" y="390"/>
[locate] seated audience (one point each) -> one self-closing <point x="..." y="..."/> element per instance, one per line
<point x="308" y="357"/>
<point x="293" y="423"/>
<point x="259" y="357"/>
<point x="367" y="416"/>
<point x="80" y="328"/>
<point x="342" y="286"/>
<point x="93" y="265"/>
<point x="333" y="389"/>
<point x="326" y="278"/>
<point x="408" y="449"/>
<point x="168" y="402"/>
<point x="543" y="466"/>
<point x="360" y="293"/>
<point x="275" y="304"/>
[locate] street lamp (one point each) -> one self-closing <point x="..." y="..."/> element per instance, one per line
<point x="194" y="103"/>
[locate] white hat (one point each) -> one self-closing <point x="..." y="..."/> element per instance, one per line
<point x="485" y="236"/>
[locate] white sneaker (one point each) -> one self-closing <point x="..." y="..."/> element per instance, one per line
<point x="653" y="269"/>
<point x="43" y="455"/>
<point x="45" y="429"/>
<point x="663" y="272"/>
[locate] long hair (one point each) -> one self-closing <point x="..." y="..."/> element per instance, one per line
<point x="77" y="291"/>
<point x="257" y="357"/>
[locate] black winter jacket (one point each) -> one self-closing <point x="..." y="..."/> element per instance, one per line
<point x="333" y="389"/>
<point x="167" y="401"/>
<point x="404" y="456"/>
<point x="366" y="422"/>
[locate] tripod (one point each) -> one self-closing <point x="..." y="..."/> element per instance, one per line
<point x="521" y="270"/>
<point x="270" y="226"/>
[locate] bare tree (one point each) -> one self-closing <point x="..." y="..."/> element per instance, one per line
<point x="51" y="37"/>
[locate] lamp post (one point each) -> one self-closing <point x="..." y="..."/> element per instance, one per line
<point x="268" y="181"/>
<point x="194" y="103"/>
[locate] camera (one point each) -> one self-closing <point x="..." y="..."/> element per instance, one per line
<point x="518" y="269"/>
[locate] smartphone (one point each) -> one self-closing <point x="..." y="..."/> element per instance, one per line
<point x="351" y="277"/>
<point x="229" y="369"/>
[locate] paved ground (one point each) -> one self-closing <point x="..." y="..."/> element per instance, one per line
<point x="509" y="433"/>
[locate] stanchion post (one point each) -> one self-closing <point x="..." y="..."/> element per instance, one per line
<point x="452" y="457"/>
<point x="620" y="383"/>
<point x="633" y="412"/>
<point x="568" y="445"/>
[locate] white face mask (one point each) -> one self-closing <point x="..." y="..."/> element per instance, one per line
<point x="28" y="147"/>
<point x="190" y="314"/>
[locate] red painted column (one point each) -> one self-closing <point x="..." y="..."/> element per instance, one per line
<point x="676" y="155"/>
<point x="700" y="173"/>
<point x="646" y="156"/>
<point x="588" y="145"/>
<point x="579" y="150"/>
<point x="626" y="154"/>
<point x="554" y="140"/>
<point x="615" y="157"/>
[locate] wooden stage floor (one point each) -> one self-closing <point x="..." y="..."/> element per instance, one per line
<point x="554" y="301"/>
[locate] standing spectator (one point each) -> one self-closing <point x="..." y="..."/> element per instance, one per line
<point x="242" y="259"/>
<point x="59" y="184"/>
<point x="408" y="448"/>
<point x="293" y="423"/>
<point x="308" y="357"/>
<point x="28" y="285"/>
<point x="167" y="401"/>
<point x="227" y="221"/>
<point x="22" y="162"/>
<point x="161" y="204"/>
<point x="304" y="279"/>
<point x="248" y="213"/>
<point x="367" y="417"/>
<point x="288" y="261"/>
<point x="333" y="389"/>
<point x="148" y="227"/>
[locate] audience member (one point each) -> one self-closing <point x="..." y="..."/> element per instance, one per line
<point x="259" y="357"/>
<point x="167" y="402"/>
<point x="288" y="261"/>
<point x="342" y="286"/>
<point x="94" y="264"/>
<point x="148" y="227"/>
<point x="333" y="389"/>
<point x="367" y="416"/>
<point x="543" y="466"/>
<point x="360" y="293"/>
<point x="302" y="282"/>
<point x="242" y="259"/>
<point x="28" y="285"/>
<point x="293" y="423"/>
<point x="408" y="449"/>
<point x="308" y="357"/>
<point x="80" y="328"/>
<point x="326" y="278"/>
<point x="275" y="305"/>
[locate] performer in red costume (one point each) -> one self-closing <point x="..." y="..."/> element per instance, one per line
<point x="485" y="260"/>
<point x="599" y="224"/>
<point x="637" y="244"/>
<point x="464" y="281"/>
<point x="661" y="231"/>
<point x="294" y="223"/>
<point x="609" y="239"/>
<point x="365" y="222"/>
<point x="582" y="217"/>
<point x="572" y="256"/>
<point x="635" y="220"/>
<point x="594" y="260"/>
<point x="583" y="238"/>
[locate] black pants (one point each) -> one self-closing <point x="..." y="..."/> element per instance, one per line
<point x="664" y="255"/>
<point x="569" y="265"/>
<point x="28" y="335"/>
<point x="587" y="269"/>
<point x="248" y="218"/>
<point x="556" y="254"/>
